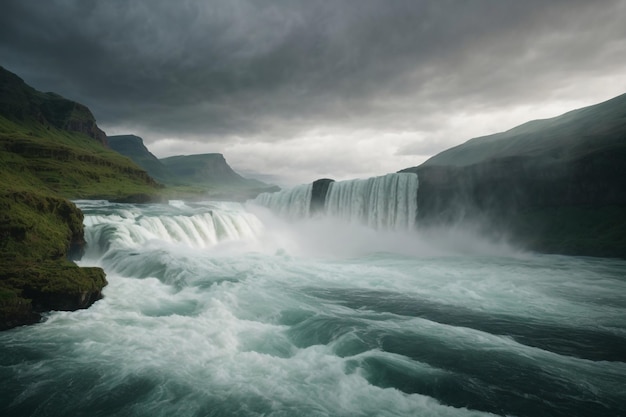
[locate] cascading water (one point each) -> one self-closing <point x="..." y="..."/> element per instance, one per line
<point x="177" y="223"/>
<point x="216" y="310"/>
<point x="144" y="235"/>
<point x="388" y="202"/>
<point x="290" y="204"/>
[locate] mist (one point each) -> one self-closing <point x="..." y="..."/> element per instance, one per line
<point x="333" y="238"/>
<point x="365" y="216"/>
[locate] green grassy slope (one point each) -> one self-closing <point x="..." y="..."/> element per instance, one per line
<point x="69" y="163"/>
<point x="50" y="150"/>
<point x="38" y="232"/>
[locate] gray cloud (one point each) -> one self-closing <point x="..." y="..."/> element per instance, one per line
<point x="231" y="72"/>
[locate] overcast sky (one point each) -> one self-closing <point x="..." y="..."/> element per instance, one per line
<point x="317" y="88"/>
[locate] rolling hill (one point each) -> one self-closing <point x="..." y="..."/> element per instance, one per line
<point x="556" y="185"/>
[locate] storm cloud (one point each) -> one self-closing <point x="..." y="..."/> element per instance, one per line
<point x="303" y="89"/>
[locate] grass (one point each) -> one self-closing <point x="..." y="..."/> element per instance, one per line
<point x="70" y="164"/>
<point x="41" y="167"/>
<point x="38" y="231"/>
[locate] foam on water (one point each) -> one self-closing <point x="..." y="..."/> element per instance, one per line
<point x="212" y="309"/>
<point x="176" y="224"/>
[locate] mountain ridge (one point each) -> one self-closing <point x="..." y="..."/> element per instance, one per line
<point x="554" y="185"/>
<point x="578" y="128"/>
<point x="208" y="171"/>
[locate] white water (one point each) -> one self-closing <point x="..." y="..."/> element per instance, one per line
<point x="289" y="204"/>
<point x="215" y="309"/>
<point x="217" y="222"/>
<point x="383" y="203"/>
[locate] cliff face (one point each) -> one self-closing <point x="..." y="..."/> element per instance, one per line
<point x="22" y="103"/>
<point x="319" y="191"/>
<point x="556" y="185"/>
<point x="82" y="121"/>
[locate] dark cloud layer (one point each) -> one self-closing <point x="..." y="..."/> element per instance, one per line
<point x="271" y="70"/>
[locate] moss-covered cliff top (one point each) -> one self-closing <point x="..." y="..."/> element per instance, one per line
<point x="22" y="103"/>
<point x="39" y="231"/>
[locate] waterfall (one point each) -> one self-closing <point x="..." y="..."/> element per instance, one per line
<point x="195" y="228"/>
<point x="386" y="202"/>
<point x="291" y="204"/>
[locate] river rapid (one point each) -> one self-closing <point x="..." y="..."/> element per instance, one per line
<point x="223" y="309"/>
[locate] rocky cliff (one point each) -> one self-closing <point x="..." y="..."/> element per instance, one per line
<point x="21" y="102"/>
<point x="319" y="191"/>
<point x="556" y="185"/>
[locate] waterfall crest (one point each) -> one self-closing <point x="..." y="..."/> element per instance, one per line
<point x="386" y="202"/>
<point x="292" y="204"/>
<point x="199" y="229"/>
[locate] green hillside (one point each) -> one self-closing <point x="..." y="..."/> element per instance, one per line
<point x="69" y="163"/>
<point x="556" y="185"/>
<point x="51" y="149"/>
<point x="20" y="102"/>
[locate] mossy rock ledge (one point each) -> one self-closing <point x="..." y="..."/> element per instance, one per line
<point x="38" y="235"/>
<point x="28" y="291"/>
